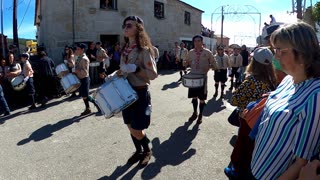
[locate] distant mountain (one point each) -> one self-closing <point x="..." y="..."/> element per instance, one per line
<point x="21" y="41"/>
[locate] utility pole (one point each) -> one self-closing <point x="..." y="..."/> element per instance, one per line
<point x="299" y="9"/>
<point x="298" y="6"/>
<point x="15" y="26"/>
<point x="2" y="35"/>
<point x="73" y="22"/>
<point x="222" y="18"/>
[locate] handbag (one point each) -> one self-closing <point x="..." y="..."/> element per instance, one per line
<point x="233" y="118"/>
<point x="253" y="111"/>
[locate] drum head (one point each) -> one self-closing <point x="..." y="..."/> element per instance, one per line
<point x="18" y="84"/>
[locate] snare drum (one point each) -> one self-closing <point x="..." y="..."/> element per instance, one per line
<point x="62" y="70"/>
<point x="193" y="80"/>
<point x="18" y="83"/>
<point x="70" y="83"/>
<point x="115" y="95"/>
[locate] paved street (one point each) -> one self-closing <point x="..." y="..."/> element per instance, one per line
<point x="55" y="143"/>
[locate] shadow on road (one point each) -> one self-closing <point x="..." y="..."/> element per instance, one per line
<point x="19" y="113"/>
<point x="213" y="106"/>
<point x="120" y="170"/>
<point x="48" y="130"/>
<point x="12" y="115"/>
<point x="173" y="151"/>
<point x="166" y="72"/>
<point x="170" y="86"/>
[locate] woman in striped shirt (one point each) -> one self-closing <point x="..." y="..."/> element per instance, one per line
<point x="289" y="132"/>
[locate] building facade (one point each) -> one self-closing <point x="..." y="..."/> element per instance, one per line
<point x="64" y="22"/>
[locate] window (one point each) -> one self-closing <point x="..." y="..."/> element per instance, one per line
<point x="187" y="18"/>
<point x="108" y="4"/>
<point x="158" y="10"/>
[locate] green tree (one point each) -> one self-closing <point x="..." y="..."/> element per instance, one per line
<point x="316" y="13"/>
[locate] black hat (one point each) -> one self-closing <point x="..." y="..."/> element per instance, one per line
<point x="132" y="18"/>
<point x="270" y="30"/>
<point x="220" y="47"/>
<point x="197" y="36"/>
<point x="82" y="46"/>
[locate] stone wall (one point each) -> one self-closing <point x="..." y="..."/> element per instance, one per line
<point x="55" y="30"/>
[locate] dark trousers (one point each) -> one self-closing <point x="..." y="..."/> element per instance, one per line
<point x="45" y="86"/>
<point x="3" y="102"/>
<point x="242" y="153"/>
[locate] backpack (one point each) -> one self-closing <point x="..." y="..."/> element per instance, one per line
<point x="253" y="110"/>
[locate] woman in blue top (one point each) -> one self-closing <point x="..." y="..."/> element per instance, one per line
<point x="289" y="132"/>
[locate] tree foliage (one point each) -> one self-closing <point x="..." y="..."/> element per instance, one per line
<point x="316" y="13"/>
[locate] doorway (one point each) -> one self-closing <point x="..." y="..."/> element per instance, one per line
<point x="108" y="41"/>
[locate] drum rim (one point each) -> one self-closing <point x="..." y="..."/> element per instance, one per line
<point x="20" y="86"/>
<point x="194" y="76"/>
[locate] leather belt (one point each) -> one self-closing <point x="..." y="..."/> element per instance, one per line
<point x="140" y="87"/>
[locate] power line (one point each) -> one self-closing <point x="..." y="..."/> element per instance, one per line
<point x="11" y="7"/>
<point x="24" y="14"/>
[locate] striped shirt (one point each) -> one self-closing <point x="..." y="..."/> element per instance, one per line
<point x="289" y="128"/>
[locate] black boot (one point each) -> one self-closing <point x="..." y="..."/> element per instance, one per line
<point x="231" y="87"/>
<point x="90" y="98"/>
<point x="216" y="93"/>
<point x="222" y="91"/>
<point x="33" y="104"/>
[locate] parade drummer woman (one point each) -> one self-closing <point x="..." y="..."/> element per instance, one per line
<point x="138" y="65"/>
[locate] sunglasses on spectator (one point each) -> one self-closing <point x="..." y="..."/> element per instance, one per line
<point x="127" y="26"/>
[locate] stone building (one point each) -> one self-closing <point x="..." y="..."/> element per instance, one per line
<point x="225" y="40"/>
<point x="62" y="22"/>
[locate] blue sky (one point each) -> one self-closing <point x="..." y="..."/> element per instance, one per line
<point x="243" y="29"/>
<point x="25" y="18"/>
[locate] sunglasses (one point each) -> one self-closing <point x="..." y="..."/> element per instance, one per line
<point x="127" y="26"/>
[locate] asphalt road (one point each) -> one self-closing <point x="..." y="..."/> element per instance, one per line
<point x="56" y="143"/>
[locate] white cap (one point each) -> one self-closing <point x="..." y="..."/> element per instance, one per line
<point x="262" y="55"/>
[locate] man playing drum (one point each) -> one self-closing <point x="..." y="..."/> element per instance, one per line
<point x="220" y="74"/>
<point x="82" y="72"/>
<point x="201" y="60"/>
